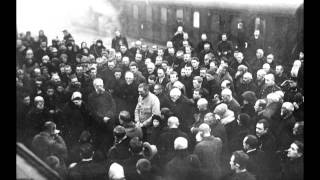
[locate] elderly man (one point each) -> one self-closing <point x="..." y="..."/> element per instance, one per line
<point x="147" y="106"/>
<point x="182" y="108"/>
<point x="246" y="83"/>
<point x="283" y="129"/>
<point x="269" y="86"/>
<point x="103" y="108"/>
<point x="209" y="152"/>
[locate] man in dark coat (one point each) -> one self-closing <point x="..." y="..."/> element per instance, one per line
<point x="209" y="152"/>
<point x="75" y="119"/>
<point x="35" y="119"/>
<point x="224" y="47"/>
<point x="120" y="149"/>
<point x="267" y="143"/>
<point x="245" y="84"/>
<point x="118" y="40"/>
<point x="182" y="108"/>
<point x="256" y="164"/>
<point x="102" y="107"/>
<point x="87" y="168"/>
<point x="292" y="166"/>
<point x="269" y="86"/>
<point x="257" y="61"/>
<point x="49" y="142"/>
<point x="165" y="143"/>
<point x="163" y="98"/>
<point x="238" y="164"/>
<point x="180" y="167"/>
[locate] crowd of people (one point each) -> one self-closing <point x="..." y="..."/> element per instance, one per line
<point x="193" y="110"/>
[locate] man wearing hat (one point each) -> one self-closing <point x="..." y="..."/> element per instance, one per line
<point x="49" y="142"/>
<point x="75" y="119"/>
<point x="120" y="149"/>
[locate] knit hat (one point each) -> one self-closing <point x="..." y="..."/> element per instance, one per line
<point x="180" y="143"/>
<point x="116" y="171"/>
<point x="76" y="96"/>
<point x="249" y="96"/>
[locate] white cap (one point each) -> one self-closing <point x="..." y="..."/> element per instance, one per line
<point x="76" y="94"/>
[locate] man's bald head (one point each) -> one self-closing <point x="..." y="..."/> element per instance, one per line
<point x="173" y="122"/>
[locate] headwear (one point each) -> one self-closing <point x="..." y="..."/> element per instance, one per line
<point x="149" y="150"/>
<point x="249" y="96"/>
<point x="76" y="96"/>
<point x="116" y="171"/>
<point x="143" y="165"/>
<point x="180" y="143"/>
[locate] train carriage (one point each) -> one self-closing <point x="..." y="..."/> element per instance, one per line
<point x="157" y="20"/>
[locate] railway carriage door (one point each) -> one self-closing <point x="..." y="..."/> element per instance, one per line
<point x="214" y="27"/>
<point x="148" y="24"/>
<point x="163" y="24"/>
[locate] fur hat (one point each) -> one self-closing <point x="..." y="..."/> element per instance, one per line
<point x="149" y="151"/>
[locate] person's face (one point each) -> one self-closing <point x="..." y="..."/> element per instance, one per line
<point x="212" y="65"/>
<point x="150" y="69"/>
<point x="183" y="72"/>
<point x="151" y="82"/>
<point x="155" y="123"/>
<point x="224" y="37"/>
<point x="268" y="82"/>
<point x="123" y="49"/>
<point x="93" y="73"/>
<point x="43" y="44"/>
<point x="160" y="73"/>
<point x="195" y="64"/>
<point x="160" y="52"/>
<point x="225" y="98"/>
<point x="133" y="69"/>
<point x="259" y="54"/>
<point x="50" y="92"/>
<point x="188" y="71"/>
<point x="111" y="65"/>
<point x="118" y="56"/>
<point x="246" y="79"/>
<point x="203" y="37"/>
<point x="284" y="111"/>
<point x="157" y="90"/>
<point x="158" y="61"/>
<point x="142" y="92"/>
<point x="260" y="76"/>
<point x="279" y="70"/>
<point x="138" y="57"/>
<point x="77" y="102"/>
<point x="40" y="104"/>
<point x="60" y="89"/>
<point x="74" y="81"/>
<point x="244" y="144"/>
<point x="174" y="97"/>
<point x="301" y="55"/>
<point x="26" y="100"/>
<point x="173" y="78"/>
<point x="38" y="83"/>
<point x="98" y="86"/>
<point x="68" y="70"/>
<point x="256" y="107"/>
<point x="203" y="73"/>
<point x="293" y="151"/>
<point x="260" y="130"/>
<point x="117" y="75"/>
<point x="232" y="163"/>
<point x="202" y="107"/>
<point x="29" y="54"/>
<point x="206" y="47"/>
<point x="196" y="95"/>
<point x="125" y="61"/>
<point x="195" y="84"/>
<point x="79" y="70"/>
<point x="117" y="33"/>
<point x="208" y="119"/>
<point x="129" y="79"/>
<point x="256" y="34"/>
<point x="239" y="57"/>
<point x="269" y="59"/>
<point x="164" y="65"/>
<point x="186" y="57"/>
<point x="295" y="129"/>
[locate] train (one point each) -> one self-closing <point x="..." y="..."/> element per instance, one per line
<point x="280" y="23"/>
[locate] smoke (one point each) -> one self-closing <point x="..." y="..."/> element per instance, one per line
<point x="86" y="20"/>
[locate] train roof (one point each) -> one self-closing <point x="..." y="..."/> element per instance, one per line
<point x="288" y="7"/>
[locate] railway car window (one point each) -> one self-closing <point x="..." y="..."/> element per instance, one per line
<point x="196" y="19"/>
<point x="164" y="15"/>
<point x="260" y="24"/>
<point x="135" y="12"/>
<point x="149" y="13"/>
<point x="179" y="14"/>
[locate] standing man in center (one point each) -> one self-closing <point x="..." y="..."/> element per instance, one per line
<point x="147" y="106"/>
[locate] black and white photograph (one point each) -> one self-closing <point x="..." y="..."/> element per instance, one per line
<point x="160" y="89"/>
